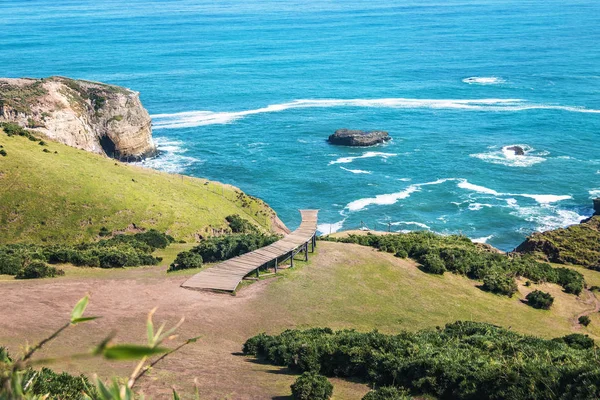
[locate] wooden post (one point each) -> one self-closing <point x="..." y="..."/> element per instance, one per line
<point x="292" y="260"/>
<point x="306" y="251"/>
<point x="275" y="264"/>
<point x="258" y="272"/>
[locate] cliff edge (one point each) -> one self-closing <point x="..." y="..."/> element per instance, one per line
<point x="99" y="118"/>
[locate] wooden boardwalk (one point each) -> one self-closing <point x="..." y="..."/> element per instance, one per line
<point x="226" y="276"/>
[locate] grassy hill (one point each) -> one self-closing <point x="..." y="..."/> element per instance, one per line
<point x="342" y="286"/>
<point x="54" y="193"/>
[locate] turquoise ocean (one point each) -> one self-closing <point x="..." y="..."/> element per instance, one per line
<point x="247" y="91"/>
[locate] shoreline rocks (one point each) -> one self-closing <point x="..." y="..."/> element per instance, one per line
<point x="92" y="116"/>
<point x="349" y="137"/>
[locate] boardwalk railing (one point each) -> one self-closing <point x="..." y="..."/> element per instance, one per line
<point x="226" y="276"/>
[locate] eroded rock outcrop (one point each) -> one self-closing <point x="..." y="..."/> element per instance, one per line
<point x="349" y="137"/>
<point x="99" y="118"/>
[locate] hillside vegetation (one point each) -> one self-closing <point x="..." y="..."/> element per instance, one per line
<point x="577" y="244"/>
<point x="53" y="193"/>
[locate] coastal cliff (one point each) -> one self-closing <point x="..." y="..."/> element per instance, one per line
<point x="99" y="118"/>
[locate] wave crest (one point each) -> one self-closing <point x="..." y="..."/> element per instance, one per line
<point x="190" y="119"/>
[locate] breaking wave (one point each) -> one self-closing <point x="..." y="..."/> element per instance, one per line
<point x="507" y="157"/>
<point x="171" y="157"/>
<point x="356" y="171"/>
<point x="368" y="154"/>
<point x="393" y="198"/>
<point x="190" y="119"/>
<point x="483" y="80"/>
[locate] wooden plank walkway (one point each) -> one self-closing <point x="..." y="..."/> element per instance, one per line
<point x="226" y="276"/>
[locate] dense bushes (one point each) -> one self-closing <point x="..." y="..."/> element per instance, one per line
<point x="186" y="260"/>
<point x="539" y="299"/>
<point x="116" y="252"/>
<point x="387" y="393"/>
<point x="240" y="225"/>
<point x="459" y="255"/>
<point x="38" y="269"/>
<point x="310" y="386"/>
<point x="224" y="247"/>
<point x="577" y="341"/>
<point x="500" y="282"/>
<point x="464" y="360"/>
<point x="58" y="386"/>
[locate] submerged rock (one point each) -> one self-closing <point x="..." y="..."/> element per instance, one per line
<point x="519" y="151"/>
<point x="92" y="116"/>
<point x="597" y="206"/>
<point x="348" y="137"/>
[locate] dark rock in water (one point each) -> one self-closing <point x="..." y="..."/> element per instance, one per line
<point x="519" y="151"/>
<point x="348" y="137"/>
<point x="597" y="206"/>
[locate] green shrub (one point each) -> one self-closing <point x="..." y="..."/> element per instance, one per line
<point x="401" y="254"/>
<point x="38" y="269"/>
<point x="239" y="224"/>
<point x="3" y="153"/>
<point x="577" y="341"/>
<point x="500" y="283"/>
<point x="224" y="247"/>
<point x="461" y="256"/>
<point x="464" y="361"/>
<point x="387" y="393"/>
<point x="10" y="264"/>
<point x="433" y="264"/>
<point x="584" y="320"/>
<point x="186" y="260"/>
<point x="58" y="386"/>
<point x="539" y="299"/>
<point x="104" y="231"/>
<point x="310" y="386"/>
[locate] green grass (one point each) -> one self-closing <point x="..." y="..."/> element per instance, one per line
<point x="351" y="286"/>
<point x="69" y="195"/>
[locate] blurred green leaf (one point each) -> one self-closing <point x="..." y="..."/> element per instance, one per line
<point x="79" y="309"/>
<point x="175" y="395"/>
<point x="193" y="340"/>
<point x="131" y="352"/>
<point x="84" y="319"/>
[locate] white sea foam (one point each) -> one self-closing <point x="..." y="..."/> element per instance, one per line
<point x="483" y="80"/>
<point x="482" y="239"/>
<point x="200" y="118"/>
<point x="507" y="157"/>
<point x="356" y="171"/>
<point x="478" y="206"/>
<point x="368" y="154"/>
<point x="464" y="184"/>
<point x="414" y="223"/>
<point x="326" y="229"/>
<point x="594" y="193"/>
<point x="390" y="198"/>
<point x="540" y="198"/>
<point x="547" y="217"/>
<point x="171" y="157"/>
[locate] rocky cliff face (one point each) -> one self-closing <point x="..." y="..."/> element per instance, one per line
<point x="99" y="118"/>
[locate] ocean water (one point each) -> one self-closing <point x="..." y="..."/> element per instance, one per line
<point x="246" y="92"/>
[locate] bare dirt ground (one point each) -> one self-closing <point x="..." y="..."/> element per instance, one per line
<point x="224" y="321"/>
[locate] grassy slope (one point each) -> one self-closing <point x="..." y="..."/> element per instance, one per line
<point x="69" y="196"/>
<point x="342" y="286"/>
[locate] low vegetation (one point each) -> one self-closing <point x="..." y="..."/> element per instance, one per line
<point x="29" y="260"/>
<point x="66" y="195"/>
<point x="463" y="360"/>
<point x="311" y="386"/>
<point x="577" y="244"/>
<point x="224" y="247"/>
<point x="457" y="254"/>
<point x="584" y="320"/>
<point x="539" y="299"/>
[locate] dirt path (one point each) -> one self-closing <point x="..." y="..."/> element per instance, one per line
<point x="593" y="302"/>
